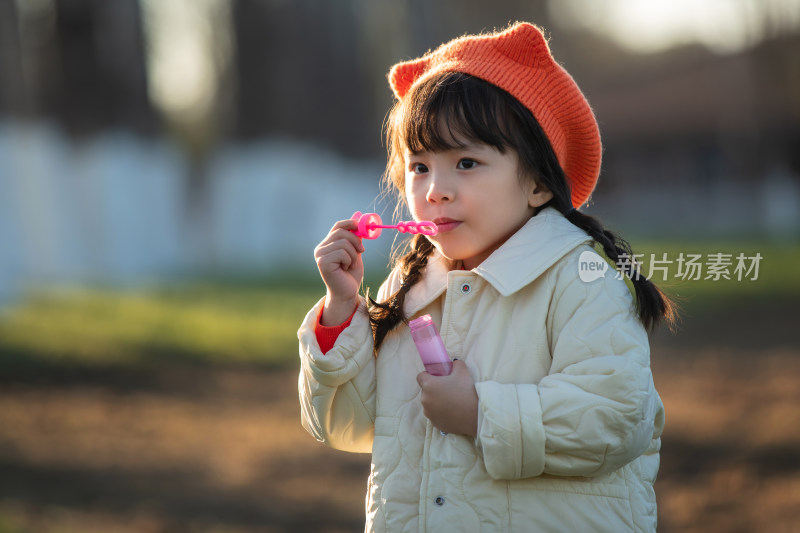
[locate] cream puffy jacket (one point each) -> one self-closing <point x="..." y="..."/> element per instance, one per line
<point x="569" y="420"/>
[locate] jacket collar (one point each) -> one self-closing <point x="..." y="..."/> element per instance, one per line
<point x="526" y="255"/>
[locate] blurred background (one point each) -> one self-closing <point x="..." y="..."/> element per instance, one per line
<point x="167" y="167"/>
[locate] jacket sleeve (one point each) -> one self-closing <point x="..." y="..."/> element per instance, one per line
<point x="337" y="389"/>
<point x="596" y="410"/>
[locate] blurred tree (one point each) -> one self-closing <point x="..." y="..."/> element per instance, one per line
<point x="95" y="78"/>
<point x="12" y="86"/>
<point x="302" y="74"/>
<point x="79" y="61"/>
<point x="102" y="66"/>
<point x="190" y="51"/>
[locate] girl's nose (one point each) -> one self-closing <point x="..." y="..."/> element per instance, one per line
<point x="439" y="190"/>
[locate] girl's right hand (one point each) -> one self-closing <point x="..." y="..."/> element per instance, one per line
<point x="339" y="262"/>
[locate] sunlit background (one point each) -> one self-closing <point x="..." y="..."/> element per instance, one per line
<point x="167" y="167"/>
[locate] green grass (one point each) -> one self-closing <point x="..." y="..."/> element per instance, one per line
<point x="201" y="322"/>
<point x="230" y="322"/>
<point x="220" y="321"/>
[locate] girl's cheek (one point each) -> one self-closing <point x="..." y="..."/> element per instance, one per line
<point x="411" y="199"/>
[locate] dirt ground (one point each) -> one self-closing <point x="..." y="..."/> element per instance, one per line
<point x="209" y="449"/>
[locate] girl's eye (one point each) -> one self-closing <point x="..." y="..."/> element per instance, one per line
<point x="418" y="168"/>
<point x="466" y="164"/>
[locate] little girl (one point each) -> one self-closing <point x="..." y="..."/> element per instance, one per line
<point x="549" y="420"/>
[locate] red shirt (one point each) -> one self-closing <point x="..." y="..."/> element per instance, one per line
<point x="327" y="335"/>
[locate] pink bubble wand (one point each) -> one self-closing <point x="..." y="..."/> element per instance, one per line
<point x="370" y="226"/>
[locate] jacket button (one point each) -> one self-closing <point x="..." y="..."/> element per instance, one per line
<point x="466" y="288"/>
<point x="439" y="501"/>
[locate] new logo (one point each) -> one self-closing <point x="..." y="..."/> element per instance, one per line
<point x="591" y="266"/>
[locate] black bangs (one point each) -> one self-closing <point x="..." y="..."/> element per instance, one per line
<point x="449" y="110"/>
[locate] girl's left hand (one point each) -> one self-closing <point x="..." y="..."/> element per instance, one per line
<point x="451" y="402"/>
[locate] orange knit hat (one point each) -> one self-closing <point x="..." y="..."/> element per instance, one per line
<point x="518" y="60"/>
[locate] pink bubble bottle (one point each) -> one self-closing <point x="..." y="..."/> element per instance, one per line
<point x="430" y="346"/>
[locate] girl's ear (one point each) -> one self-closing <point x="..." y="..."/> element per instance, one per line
<point x="539" y="195"/>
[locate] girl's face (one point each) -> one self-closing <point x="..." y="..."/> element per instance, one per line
<point x="474" y="194"/>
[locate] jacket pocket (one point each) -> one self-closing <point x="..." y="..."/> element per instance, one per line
<point x="556" y="504"/>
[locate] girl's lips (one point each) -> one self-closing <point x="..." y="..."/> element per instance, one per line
<point x="446" y="224"/>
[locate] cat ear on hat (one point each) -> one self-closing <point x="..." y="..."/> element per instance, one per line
<point x="525" y="44"/>
<point x="403" y="75"/>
